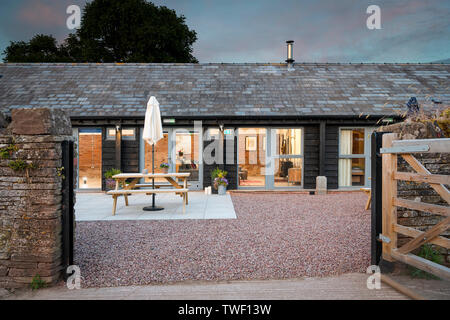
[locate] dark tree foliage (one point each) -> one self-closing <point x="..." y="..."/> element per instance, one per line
<point x="115" y="31"/>
<point x="41" y="48"/>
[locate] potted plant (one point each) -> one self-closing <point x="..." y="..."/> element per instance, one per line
<point x="180" y="153"/>
<point x="165" y="167"/>
<point x="219" y="180"/>
<point x="110" y="183"/>
<point x="221" y="185"/>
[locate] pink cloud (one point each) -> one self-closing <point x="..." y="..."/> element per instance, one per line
<point x="42" y="13"/>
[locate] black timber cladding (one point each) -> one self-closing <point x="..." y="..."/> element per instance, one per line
<point x="209" y="167"/>
<point x="229" y="164"/>
<point x="332" y="156"/>
<point x="108" y="155"/>
<point x="130" y="154"/>
<point x="231" y="168"/>
<point x="311" y="156"/>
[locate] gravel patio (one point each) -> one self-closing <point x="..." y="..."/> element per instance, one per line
<point x="275" y="236"/>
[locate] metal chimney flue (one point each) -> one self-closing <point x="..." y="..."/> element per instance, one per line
<point x="290" y="53"/>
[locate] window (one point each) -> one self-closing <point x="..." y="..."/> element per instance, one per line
<point x="187" y="153"/>
<point x="111" y="134"/>
<point x="127" y="134"/>
<point x="353" y="157"/>
<point x="213" y="133"/>
<point x="161" y="156"/>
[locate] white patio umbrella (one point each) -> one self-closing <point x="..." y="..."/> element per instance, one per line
<point x="152" y="134"/>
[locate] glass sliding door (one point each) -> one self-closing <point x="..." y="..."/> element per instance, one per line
<point x="287" y="157"/>
<point x="252" y="145"/>
<point x="161" y="156"/>
<point x="181" y="148"/>
<point x="90" y="158"/>
<point x="187" y="152"/>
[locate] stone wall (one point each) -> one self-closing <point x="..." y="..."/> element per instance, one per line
<point x="31" y="199"/>
<point x="435" y="163"/>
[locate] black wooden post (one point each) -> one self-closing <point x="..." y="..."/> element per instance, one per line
<point x="67" y="203"/>
<point x="376" y="205"/>
<point x="118" y="148"/>
<point x="322" y="148"/>
<point x="222" y="147"/>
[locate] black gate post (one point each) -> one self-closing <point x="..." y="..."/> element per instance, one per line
<point x="376" y="205"/>
<point x="67" y="204"/>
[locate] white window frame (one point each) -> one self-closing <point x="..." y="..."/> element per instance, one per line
<point x="273" y="156"/>
<point x="113" y="138"/>
<point x="108" y="136"/>
<point x="366" y="155"/>
<point x="266" y="179"/>
<point x="129" y="138"/>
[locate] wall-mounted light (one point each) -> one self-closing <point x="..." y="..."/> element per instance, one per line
<point x="117" y="127"/>
<point x="169" y="120"/>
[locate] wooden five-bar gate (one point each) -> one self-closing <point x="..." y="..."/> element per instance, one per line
<point x="393" y="148"/>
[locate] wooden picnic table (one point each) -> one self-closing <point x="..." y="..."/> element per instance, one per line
<point x="130" y="188"/>
<point x="170" y="177"/>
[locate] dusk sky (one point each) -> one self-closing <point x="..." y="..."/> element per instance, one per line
<point x="256" y="31"/>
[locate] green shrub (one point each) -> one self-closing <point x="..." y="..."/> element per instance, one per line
<point x="427" y="252"/>
<point x="37" y="283"/>
<point x="6" y="152"/>
<point x="21" y="165"/>
<point x="60" y="172"/>
<point x="112" y="172"/>
<point x="217" y="173"/>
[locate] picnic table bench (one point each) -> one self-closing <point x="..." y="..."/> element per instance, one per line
<point x="367" y="191"/>
<point x="130" y="188"/>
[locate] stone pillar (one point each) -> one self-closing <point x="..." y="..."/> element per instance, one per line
<point x="321" y="185"/>
<point x="31" y="196"/>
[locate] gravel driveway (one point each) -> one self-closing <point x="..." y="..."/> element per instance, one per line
<point x="275" y="236"/>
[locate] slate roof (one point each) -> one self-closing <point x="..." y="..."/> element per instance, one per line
<point x="203" y="90"/>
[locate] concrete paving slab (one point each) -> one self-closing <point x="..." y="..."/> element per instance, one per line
<point x="98" y="207"/>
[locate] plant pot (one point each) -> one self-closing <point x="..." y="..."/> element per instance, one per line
<point x="213" y="190"/>
<point x="222" y="190"/>
<point x="165" y="170"/>
<point x="110" y="184"/>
